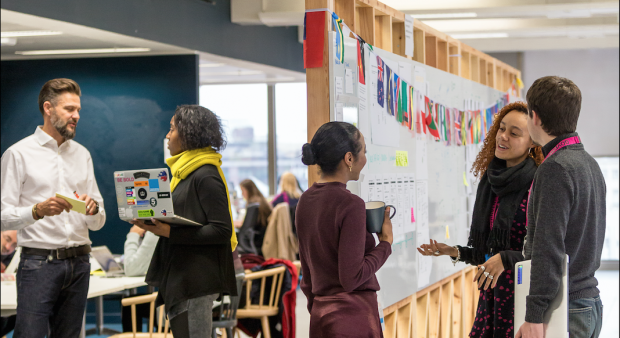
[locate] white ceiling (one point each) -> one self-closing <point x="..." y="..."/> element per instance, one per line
<point x="226" y="70"/>
<point x="525" y="24"/>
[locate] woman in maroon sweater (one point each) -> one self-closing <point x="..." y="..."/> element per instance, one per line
<point x="339" y="258"/>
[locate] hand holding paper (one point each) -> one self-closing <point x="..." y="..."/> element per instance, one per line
<point x="77" y="205"/>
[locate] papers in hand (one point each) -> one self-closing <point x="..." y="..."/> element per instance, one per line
<point x="78" y="206"/>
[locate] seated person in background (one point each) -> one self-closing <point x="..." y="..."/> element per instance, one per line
<point x="139" y="248"/>
<point x="290" y="191"/>
<point x="257" y="214"/>
<point x="9" y="243"/>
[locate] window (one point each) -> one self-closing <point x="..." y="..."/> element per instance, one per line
<point x="243" y="110"/>
<point x="291" y="130"/>
<point x="609" y="167"/>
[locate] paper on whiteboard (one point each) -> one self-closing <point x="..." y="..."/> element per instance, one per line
<point x="425" y="263"/>
<point x="349" y="80"/>
<point x="385" y="130"/>
<point x="419" y="79"/>
<point x="404" y="69"/>
<point x="363" y="110"/>
<point x="421" y="158"/>
<point x="410" y="223"/>
<point x="339" y="112"/>
<point x="408" y="35"/>
<point x="339" y="86"/>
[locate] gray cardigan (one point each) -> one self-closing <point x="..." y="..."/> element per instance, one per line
<point x="566" y="215"/>
<point x="138" y="255"/>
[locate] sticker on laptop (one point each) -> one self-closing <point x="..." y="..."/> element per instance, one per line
<point x="142" y="203"/>
<point x="141" y="183"/>
<point x="164" y="213"/>
<point x="131" y="201"/>
<point x="163" y="195"/>
<point x="163" y="176"/>
<point x="142" y="193"/>
<point x="146" y="213"/>
<point x="141" y="174"/>
<point x="153" y="202"/>
<point x="153" y="184"/>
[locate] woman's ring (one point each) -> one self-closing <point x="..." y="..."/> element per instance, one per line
<point x="486" y="274"/>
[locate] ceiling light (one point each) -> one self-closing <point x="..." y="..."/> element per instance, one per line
<point x="83" y="51"/>
<point x="239" y="73"/>
<point x="211" y="65"/>
<point x="17" y="34"/>
<point x="479" y="36"/>
<point x="8" y="41"/>
<point x="444" y="15"/>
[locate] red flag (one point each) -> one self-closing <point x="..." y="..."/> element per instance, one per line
<point x="361" y="67"/>
<point x="314" y="38"/>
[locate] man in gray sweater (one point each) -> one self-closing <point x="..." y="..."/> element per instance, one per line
<point x="566" y="212"/>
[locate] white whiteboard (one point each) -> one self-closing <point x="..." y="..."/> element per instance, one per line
<point x="448" y="201"/>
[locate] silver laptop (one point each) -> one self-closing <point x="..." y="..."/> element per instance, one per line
<point x="556" y="316"/>
<point x="106" y="260"/>
<point x="145" y="194"/>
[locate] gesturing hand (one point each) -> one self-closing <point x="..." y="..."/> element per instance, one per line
<point x="494" y="267"/>
<point x="158" y="228"/>
<point x="437" y="249"/>
<point x="53" y="206"/>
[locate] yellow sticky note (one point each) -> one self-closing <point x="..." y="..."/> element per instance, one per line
<point x="402" y="158"/>
<point x="78" y="206"/>
<point x="447" y="232"/>
<point x="465" y="179"/>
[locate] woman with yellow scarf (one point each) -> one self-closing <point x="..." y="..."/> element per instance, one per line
<point x="193" y="265"/>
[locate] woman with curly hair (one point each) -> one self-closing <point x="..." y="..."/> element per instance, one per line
<point x="193" y="265"/>
<point x="507" y="164"/>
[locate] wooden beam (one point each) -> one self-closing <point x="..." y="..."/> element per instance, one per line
<point x="475" y="68"/>
<point x="455" y="58"/>
<point x="419" y="46"/>
<point x="366" y="24"/>
<point x="345" y="9"/>
<point x="398" y="39"/>
<point x="317" y="83"/>
<point x="483" y="71"/>
<point x="465" y="65"/>
<point x="383" y="31"/>
<point x="431" y="50"/>
<point x="442" y="55"/>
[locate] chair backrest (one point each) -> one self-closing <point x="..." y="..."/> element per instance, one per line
<point x="247" y="233"/>
<point x="276" y="275"/>
<point x="228" y="311"/>
<point x="133" y="301"/>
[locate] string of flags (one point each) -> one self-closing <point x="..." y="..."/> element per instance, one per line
<point x="406" y="104"/>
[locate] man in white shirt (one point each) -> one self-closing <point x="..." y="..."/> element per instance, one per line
<point x="54" y="271"/>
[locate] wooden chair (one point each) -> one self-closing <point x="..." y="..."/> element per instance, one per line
<point x="162" y="332"/>
<point x="261" y="310"/>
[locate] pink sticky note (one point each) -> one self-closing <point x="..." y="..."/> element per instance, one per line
<point x="412" y="217"/>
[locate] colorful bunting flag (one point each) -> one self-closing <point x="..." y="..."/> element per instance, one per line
<point x="314" y="39"/>
<point x="390" y="89"/>
<point x="339" y="38"/>
<point x="361" y="65"/>
<point x="380" y="74"/>
<point x="431" y="121"/>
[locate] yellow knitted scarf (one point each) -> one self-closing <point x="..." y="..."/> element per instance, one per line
<point x="185" y="163"/>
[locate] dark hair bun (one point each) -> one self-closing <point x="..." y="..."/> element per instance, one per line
<point x="307" y="155"/>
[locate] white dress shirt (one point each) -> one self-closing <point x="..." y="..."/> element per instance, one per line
<point x="35" y="169"/>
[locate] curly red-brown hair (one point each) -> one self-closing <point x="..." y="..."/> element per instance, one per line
<point x="487" y="154"/>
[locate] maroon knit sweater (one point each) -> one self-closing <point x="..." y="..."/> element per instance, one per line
<point x="337" y="253"/>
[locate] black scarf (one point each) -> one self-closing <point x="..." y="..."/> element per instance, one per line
<point x="510" y="185"/>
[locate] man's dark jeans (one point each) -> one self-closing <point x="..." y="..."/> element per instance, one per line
<point x="51" y="296"/>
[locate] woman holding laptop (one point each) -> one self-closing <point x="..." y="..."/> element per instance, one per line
<point x="339" y="257"/>
<point x="193" y="265"/>
<point x="507" y="162"/>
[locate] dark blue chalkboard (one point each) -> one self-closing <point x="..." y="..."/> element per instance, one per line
<point x="127" y="103"/>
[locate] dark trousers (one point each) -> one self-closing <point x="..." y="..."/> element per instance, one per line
<point x="51" y="296"/>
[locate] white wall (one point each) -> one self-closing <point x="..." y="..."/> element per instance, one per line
<point x="595" y="72"/>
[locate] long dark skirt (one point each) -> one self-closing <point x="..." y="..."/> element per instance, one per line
<point x="347" y="314"/>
